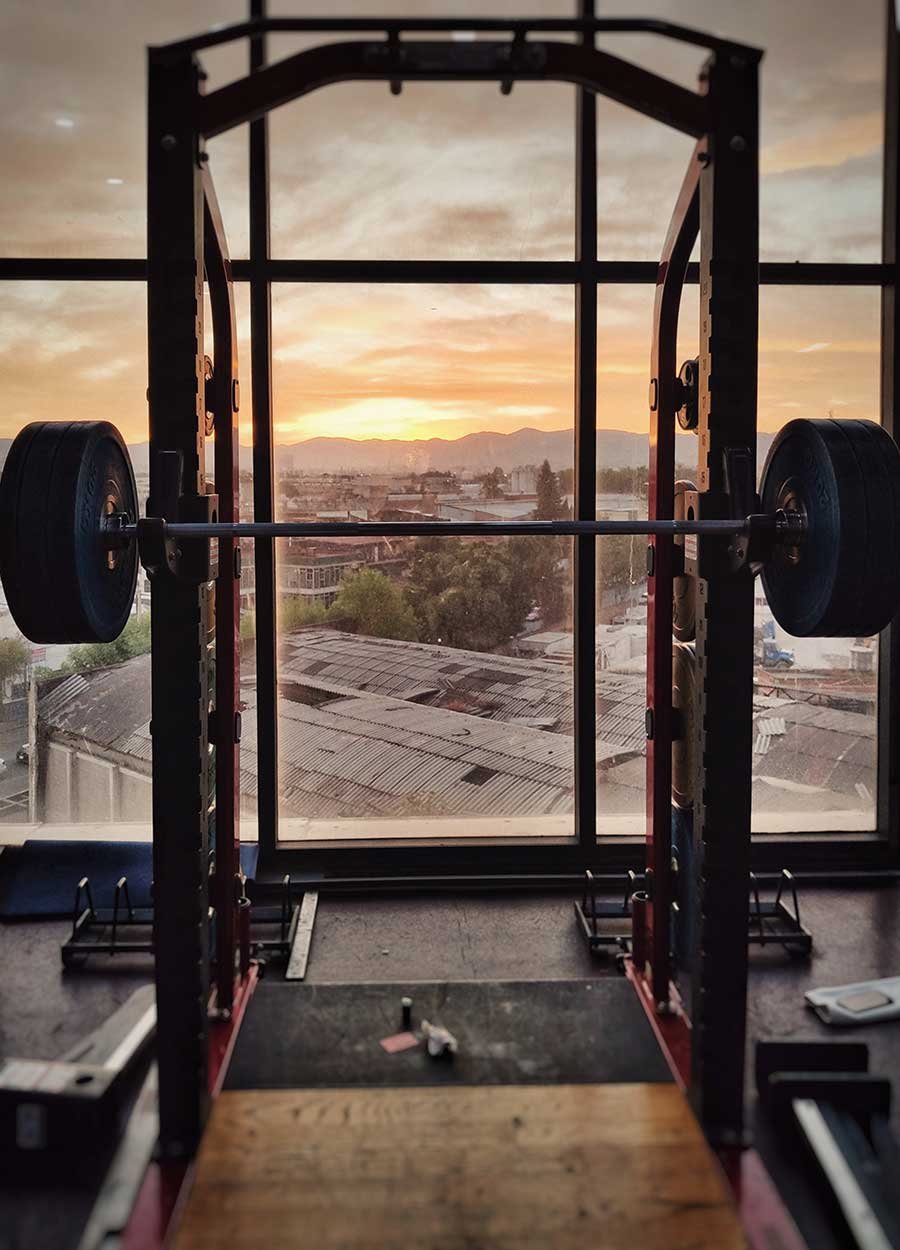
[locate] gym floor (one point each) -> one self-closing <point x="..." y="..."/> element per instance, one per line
<point x="386" y="941"/>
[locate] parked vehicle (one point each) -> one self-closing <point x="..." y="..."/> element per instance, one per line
<point x="22" y="753"/>
<point x="774" y="656"/>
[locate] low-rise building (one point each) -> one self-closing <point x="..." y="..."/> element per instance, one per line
<point x="375" y="730"/>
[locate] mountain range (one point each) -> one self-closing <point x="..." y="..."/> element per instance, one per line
<point x="616" y="449"/>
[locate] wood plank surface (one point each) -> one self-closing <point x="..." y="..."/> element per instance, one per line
<point x="612" y="1167"/>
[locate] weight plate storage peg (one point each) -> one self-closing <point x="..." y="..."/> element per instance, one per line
<point x="63" y="580"/>
<point x="841" y="576"/>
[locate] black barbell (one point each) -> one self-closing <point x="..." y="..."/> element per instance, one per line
<point x="826" y="538"/>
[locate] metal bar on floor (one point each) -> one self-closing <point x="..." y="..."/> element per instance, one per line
<point x="302" y="940"/>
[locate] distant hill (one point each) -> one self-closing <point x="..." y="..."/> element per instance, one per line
<point x="616" y="449"/>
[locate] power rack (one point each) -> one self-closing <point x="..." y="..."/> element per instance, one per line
<point x="195" y="802"/>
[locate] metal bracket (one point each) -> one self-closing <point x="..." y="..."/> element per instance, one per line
<point x="740" y="488"/>
<point x="191" y="560"/>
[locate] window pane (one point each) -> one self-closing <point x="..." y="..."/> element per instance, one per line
<point x="624" y="323"/>
<point x="424" y="682"/>
<point x="815" y="699"/>
<point x="413" y="363"/>
<point x="443" y="171"/>
<point x="624" y="330"/>
<point x="821" y="129"/>
<point x="73" y="124"/>
<point x="819" y="353"/>
<point x="76" y="352"/>
<point x="815" y="727"/>
<point x="633" y="155"/>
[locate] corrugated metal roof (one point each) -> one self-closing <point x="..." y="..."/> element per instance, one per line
<point x="375" y="755"/>
<point x="403" y="725"/>
<point x="503" y="688"/>
<point x="354" y="754"/>
<point x="106" y="706"/>
<point x="818" y="747"/>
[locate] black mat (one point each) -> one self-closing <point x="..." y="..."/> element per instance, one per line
<point x="509" y="1033"/>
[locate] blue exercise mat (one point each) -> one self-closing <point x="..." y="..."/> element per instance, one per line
<point x="38" y="879"/>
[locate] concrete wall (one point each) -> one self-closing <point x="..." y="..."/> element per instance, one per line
<point x="134" y="795"/>
<point x="58" y="799"/>
<point x="77" y="787"/>
<point x="95" y="785"/>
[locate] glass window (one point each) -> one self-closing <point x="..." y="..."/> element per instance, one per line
<point x="79" y="755"/>
<point x="624" y="325"/>
<point x="815" y="701"/>
<point x="815" y="726"/>
<point x="73" y="124"/>
<point x="77" y="352"/>
<point x="423" y="682"/>
<point x="821" y="127"/>
<point x="819" y="353"/>
<point x="443" y="171"/>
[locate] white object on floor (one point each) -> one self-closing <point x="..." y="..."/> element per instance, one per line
<point x="863" y="1002"/>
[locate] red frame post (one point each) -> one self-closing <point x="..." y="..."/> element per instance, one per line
<point x="225" y="405"/>
<point x="660" y="504"/>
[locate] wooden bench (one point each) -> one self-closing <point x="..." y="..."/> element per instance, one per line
<point x="604" y="1167"/>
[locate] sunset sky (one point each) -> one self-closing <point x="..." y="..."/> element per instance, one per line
<point x="451" y="171"/>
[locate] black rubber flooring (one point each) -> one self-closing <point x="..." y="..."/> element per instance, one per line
<point x="509" y="1032"/>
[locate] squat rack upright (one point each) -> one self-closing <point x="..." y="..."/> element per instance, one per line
<point x="195" y="788"/>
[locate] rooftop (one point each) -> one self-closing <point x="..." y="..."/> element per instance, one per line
<point x="379" y="728"/>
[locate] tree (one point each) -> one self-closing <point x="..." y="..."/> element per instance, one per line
<point x="631" y="480"/>
<point x="431" y="572"/>
<point x="133" y="640"/>
<point x="293" y="613"/>
<point x="471" y="595"/>
<point x="539" y="563"/>
<point x="374" y="605"/>
<point x="296" y="613"/>
<point x="550" y="504"/>
<point x="14" y="657"/>
<point x="492" y="483"/>
<point x="621" y="560"/>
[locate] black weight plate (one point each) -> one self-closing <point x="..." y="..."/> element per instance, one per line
<point x="817" y="588"/>
<point x="94" y="456"/>
<point x="62" y="582"/>
<point x="35" y="600"/>
<point x="684" y="605"/>
<point x="10" y="490"/>
<point x="879" y="462"/>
